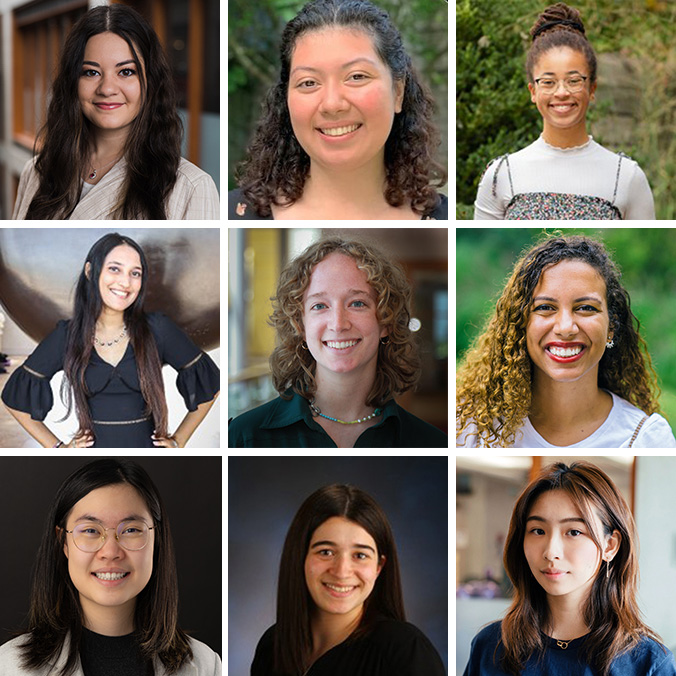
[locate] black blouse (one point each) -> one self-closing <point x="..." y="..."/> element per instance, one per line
<point x="392" y="648"/>
<point x="117" y="406"/>
<point x="239" y="209"/>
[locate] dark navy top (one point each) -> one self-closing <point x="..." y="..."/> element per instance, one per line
<point x="289" y="423"/>
<point x="114" y="391"/>
<point x="648" y="658"/>
<point x="392" y="648"/>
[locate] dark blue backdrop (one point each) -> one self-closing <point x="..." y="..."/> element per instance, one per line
<point x="265" y="493"/>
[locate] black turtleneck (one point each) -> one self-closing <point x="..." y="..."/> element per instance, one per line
<point x="112" y="655"/>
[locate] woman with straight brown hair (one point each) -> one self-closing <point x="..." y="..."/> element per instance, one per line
<point x="571" y="554"/>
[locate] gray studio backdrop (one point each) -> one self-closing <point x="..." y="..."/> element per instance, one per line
<point x="263" y="497"/>
<point x="191" y="489"/>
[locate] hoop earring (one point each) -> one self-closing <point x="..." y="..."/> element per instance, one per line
<point x="304" y="345"/>
<point x="385" y="340"/>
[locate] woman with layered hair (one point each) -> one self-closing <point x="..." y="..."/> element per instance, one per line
<point x="572" y="555"/>
<point x="347" y="130"/>
<point x="111" y="353"/>
<point x="565" y="174"/>
<point x="344" y="350"/>
<point x="340" y="608"/>
<point x="561" y="361"/>
<point x="104" y="597"/>
<point x="111" y="145"/>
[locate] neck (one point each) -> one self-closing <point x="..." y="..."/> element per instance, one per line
<point x="329" y="629"/>
<point x="110" y="320"/>
<point x="565" y="616"/>
<point x="108" y="144"/>
<point x="346" y="194"/>
<point x="343" y="395"/>
<point x="109" y="621"/>
<point x="566" y="138"/>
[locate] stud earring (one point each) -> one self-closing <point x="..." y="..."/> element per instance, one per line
<point x="610" y="343"/>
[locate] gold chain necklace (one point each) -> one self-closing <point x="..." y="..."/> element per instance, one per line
<point x="563" y="644"/>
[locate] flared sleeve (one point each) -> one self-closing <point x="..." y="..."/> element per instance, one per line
<point x="199" y="379"/>
<point x="28" y="388"/>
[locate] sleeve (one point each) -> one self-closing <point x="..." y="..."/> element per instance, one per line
<point x="665" y="667"/>
<point x="640" y="203"/>
<point x="490" y="199"/>
<point x="655" y="433"/>
<point x="28" y="388"/>
<point x="410" y="652"/>
<point x="24" y="195"/>
<point x="199" y="379"/>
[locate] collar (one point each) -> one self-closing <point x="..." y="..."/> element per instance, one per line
<point x="115" y="177"/>
<point x="286" y="412"/>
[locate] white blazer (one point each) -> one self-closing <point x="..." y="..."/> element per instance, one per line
<point x="193" y="197"/>
<point x="204" y="662"/>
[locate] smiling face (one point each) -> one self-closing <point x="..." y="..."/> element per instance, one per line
<point x="121" y="278"/>
<point x="561" y="110"/>
<point x="569" y="323"/>
<point x="561" y="554"/>
<point x="342" y="99"/>
<point x="341" y="567"/>
<point x="339" y="313"/>
<point x="109" y="87"/>
<point x="96" y="576"/>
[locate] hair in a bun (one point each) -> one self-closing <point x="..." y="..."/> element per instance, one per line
<point x="559" y="26"/>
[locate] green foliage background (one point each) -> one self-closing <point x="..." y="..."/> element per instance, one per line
<point x="494" y="114"/>
<point x="485" y="258"/>
<point x="254" y="32"/>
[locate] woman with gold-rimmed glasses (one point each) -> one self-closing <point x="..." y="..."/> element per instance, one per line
<point x="565" y="174"/>
<point x="104" y="600"/>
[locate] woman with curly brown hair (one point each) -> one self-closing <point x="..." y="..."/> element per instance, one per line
<point x="565" y="174"/>
<point x="341" y="313"/>
<point x="561" y="361"/>
<point x="347" y="131"/>
<point x="572" y="555"/>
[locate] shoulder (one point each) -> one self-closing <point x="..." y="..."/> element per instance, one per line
<point x="242" y="428"/>
<point x="204" y="658"/>
<point x="655" y="431"/>
<point x="647" y="657"/>
<point x="10" y="657"/>
<point x="419" y="434"/>
<point x="406" y="646"/>
<point x="192" y="174"/>
<point x="388" y="630"/>
<point x="440" y="212"/>
<point x="488" y="637"/>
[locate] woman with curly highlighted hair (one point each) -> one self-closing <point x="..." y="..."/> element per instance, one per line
<point x="111" y="146"/>
<point x="347" y="131"/>
<point x="561" y="361"/>
<point x="572" y="555"/>
<point x="344" y="350"/>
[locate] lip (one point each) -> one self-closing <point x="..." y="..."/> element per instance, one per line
<point x="117" y="291"/>
<point x="111" y="583"/>
<point x="338" y="594"/>
<point x="565" y="360"/>
<point x="108" y="106"/>
<point x="341" y="350"/>
<point x="342" y="137"/>
<point x="568" y="107"/>
<point x="553" y="573"/>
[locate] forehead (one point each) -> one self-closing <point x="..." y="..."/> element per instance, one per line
<point x="330" y="48"/>
<point x="555" y="504"/>
<point x="570" y="277"/>
<point x="336" y="272"/>
<point x="116" y="501"/>
<point x="107" y="48"/>
<point x="560" y="61"/>
<point x="343" y="532"/>
<point x="124" y="254"/>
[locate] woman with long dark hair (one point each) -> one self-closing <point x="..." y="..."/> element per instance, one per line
<point x="344" y="351"/>
<point x="104" y="597"/>
<point x="339" y="601"/>
<point x="561" y="361"/>
<point x="111" y="353"/>
<point x="565" y="174"/>
<point x="111" y="145"/>
<point x="347" y="130"/>
<point x="572" y="555"/>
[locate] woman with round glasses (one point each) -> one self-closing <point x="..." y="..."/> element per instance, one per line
<point x="340" y="609"/>
<point x="104" y="597"/>
<point x="565" y="174"/>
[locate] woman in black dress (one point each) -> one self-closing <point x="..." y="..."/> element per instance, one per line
<point x="339" y="602"/>
<point x="112" y="354"/>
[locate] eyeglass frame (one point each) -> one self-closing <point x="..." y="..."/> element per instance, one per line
<point x="584" y="78"/>
<point x="105" y="536"/>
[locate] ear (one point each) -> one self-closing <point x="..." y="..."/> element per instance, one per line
<point x="612" y="546"/>
<point x="399" y="87"/>
<point x="384" y="332"/>
<point x="88" y="269"/>
<point x="58" y="533"/>
<point x="592" y="91"/>
<point x="381" y="563"/>
<point x="531" y="89"/>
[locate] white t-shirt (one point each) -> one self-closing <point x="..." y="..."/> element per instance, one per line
<point x="616" y="431"/>
<point x="589" y="169"/>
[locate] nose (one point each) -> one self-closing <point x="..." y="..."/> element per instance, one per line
<point x="111" y="548"/>
<point x="107" y="86"/>
<point x="333" y="99"/>
<point x="565" y="323"/>
<point x="339" y="320"/>
<point x="342" y="566"/>
<point x="552" y="549"/>
<point x="561" y="89"/>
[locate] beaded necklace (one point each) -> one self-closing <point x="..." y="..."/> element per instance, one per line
<point x="317" y="411"/>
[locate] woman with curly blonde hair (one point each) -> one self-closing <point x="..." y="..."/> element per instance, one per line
<point x="561" y="361"/>
<point x="344" y="350"/>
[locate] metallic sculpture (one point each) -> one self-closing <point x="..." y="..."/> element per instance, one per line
<point x="40" y="266"/>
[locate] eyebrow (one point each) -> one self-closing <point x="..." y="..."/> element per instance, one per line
<point x="571" y="519"/>
<point x="136" y="267"/>
<point x="89" y="517"/>
<point x="345" y="65"/>
<point x="351" y="292"/>
<point x="570" y="72"/>
<point x="324" y="543"/>
<point x="577" y="300"/>
<point x="117" y="65"/>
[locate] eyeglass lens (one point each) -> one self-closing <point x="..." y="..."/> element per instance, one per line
<point x="90" y="537"/>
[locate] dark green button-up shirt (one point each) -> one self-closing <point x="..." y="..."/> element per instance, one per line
<point x="289" y="423"/>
